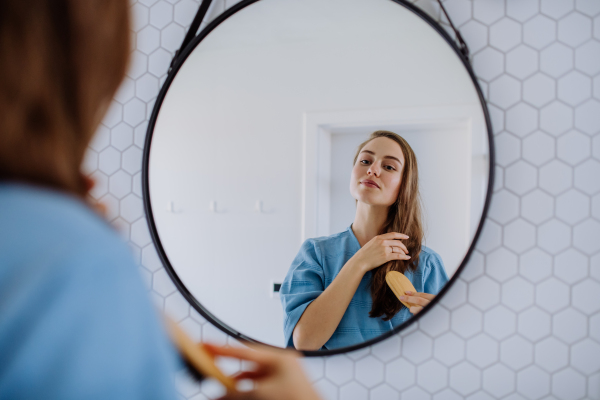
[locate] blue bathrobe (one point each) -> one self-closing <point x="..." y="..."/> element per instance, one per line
<point x="317" y="264"/>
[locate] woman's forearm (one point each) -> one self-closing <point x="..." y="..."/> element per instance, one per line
<point x="323" y="315"/>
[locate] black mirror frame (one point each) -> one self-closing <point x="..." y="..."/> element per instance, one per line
<point x="178" y="61"/>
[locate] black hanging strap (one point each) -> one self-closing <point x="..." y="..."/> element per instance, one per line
<point x="191" y="33"/>
<point x="461" y="43"/>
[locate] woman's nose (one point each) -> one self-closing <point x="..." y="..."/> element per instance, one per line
<point x="373" y="170"/>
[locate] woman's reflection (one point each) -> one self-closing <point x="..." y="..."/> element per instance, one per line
<point x="335" y="293"/>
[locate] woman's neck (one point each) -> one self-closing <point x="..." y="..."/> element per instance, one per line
<point x="368" y="221"/>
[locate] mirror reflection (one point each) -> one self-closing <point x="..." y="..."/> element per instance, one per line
<point x="302" y="151"/>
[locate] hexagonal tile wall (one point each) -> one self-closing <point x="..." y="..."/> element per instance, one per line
<point x="524" y="320"/>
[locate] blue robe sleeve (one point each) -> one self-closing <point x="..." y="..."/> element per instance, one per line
<point x="436" y="277"/>
<point x="304" y="282"/>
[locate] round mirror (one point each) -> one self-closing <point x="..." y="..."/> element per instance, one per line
<point x="252" y="192"/>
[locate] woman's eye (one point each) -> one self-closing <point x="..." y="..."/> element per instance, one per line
<point x="365" y="162"/>
<point x="390" y="168"/>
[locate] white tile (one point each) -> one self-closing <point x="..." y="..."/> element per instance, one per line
<point x="111" y="204"/>
<point x="400" y="374"/>
<point x="131" y="208"/>
<point x="122" y="227"/>
<point x="150" y="259"/>
<point x="517" y="294"/>
<point x="498" y="380"/>
<point x="162" y="284"/>
<point x="539" y="90"/>
<point x="475" y="35"/>
<point x="597" y="87"/>
<point x="573" y="147"/>
<point x="556" y="59"/>
<point x="384" y="392"/>
<point x="148" y="39"/>
<point x="588" y="7"/>
<point x="417" y="347"/>
<point x="505" y="34"/>
<point x="185" y="384"/>
<point x="140" y="234"/>
<point x="139" y="134"/>
<point x="574" y="88"/>
<point x="574" y="29"/>
<point x="114" y="115"/>
<point x="466" y="321"/>
<point x="90" y="162"/>
<point x="538" y="148"/>
<point x="504" y="207"/>
<point x="556" y="177"/>
<point x="522" y="61"/>
<point x="177" y="307"/>
<point x="508" y="148"/>
<point x="595" y="266"/>
<point x="587" y="117"/>
<point x="432" y="376"/>
<point x="586" y="296"/>
<point x="121" y="136"/>
<point x="569" y="325"/>
<point x="161" y="14"/>
<point x="147" y="3"/>
<point x="587" y="58"/>
<point x="535" y="265"/>
<point x="119" y="184"/>
<point x="184" y="12"/>
<point x="519" y="236"/>
<point x="474" y="268"/>
<point x="139" y="16"/>
<point x="109" y="160"/>
<point x="551" y="354"/>
<point x="459" y="11"/>
<point x="533" y="382"/>
<point x="212" y="334"/>
<point x="557" y="8"/>
<point x="522" y="10"/>
<point x="505" y="91"/>
<point x="497" y="117"/>
<point x="596" y="28"/>
<point x="314" y="367"/>
<point x="594" y="381"/>
<point x="171" y="37"/>
<point x="388" y="349"/>
<point x="533" y="324"/>
<point x="539" y="31"/>
<point x="500" y="322"/>
<point x="158" y="62"/>
<point x="339" y="369"/>
<point x="457" y="295"/>
<point x="449" y="349"/>
<point x="522" y="119"/>
<point x="146" y="87"/>
<point x="326" y="389"/>
<point x="572" y="206"/>
<point x="586" y="177"/>
<point x="447" y="394"/>
<point x="359" y="354"/>
<point x="571" y="266"/>
<point x="488" y="64"/>
<point x="465" y="378"/>
<point x="134" y="112"/>
<point x="491" y="237"/>
<point x="520" y="177"/>
<point x="482" y="351"/>
<point x="537" y="206"/>
<point x="132" y="160"/>
<point x="556" y="118"/>
<point x="369" y="371"/>
<point x="488" y="11"/>
<point x="594" y="327"/>
<point x="415" y="393"/>
<point x="484" y="293"/>
<point x="498" y="178"/>
<point x="501" y="264"/>
<point x="138" y="64"/>
<point x="516" y="352"/>
<point x="596" y="147"/>
<point x="554" y="236"/>
<point x="101" y="139"/>
<point x="568" y="384"/>
<point x="192" y="328"/>
<point x="435" y="322"/>
<point x="552" y="295"/>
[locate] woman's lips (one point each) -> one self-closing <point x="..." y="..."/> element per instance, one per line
<point x="370" y="184"/>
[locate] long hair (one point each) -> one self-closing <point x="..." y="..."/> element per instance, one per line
<point x="404" y="216"/>
<point x="61" y="62"/>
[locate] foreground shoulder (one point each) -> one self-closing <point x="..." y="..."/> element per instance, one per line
<point x="430" y="259"/>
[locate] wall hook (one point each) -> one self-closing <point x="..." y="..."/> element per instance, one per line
<point x="258" y="207"/>
<point x="171" y="208"/>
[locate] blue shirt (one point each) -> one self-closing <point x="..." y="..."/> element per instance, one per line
<point x="76" y="321"/>
<point x="317" y="264"/>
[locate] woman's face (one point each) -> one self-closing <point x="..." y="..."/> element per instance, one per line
<point x="377" y="174"/>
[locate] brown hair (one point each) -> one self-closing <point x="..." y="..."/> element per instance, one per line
<point x="404" y="216"/>
<point x="61" y="63"/>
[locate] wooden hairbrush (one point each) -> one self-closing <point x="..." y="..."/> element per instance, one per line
<point x="400" y="284"/>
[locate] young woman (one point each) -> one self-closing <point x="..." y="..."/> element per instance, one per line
<point x="335" y="294"/>
<point x="76" y="321"/>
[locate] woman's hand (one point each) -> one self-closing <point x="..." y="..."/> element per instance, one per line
<point x="381" y="249"/>
<point x="419" y="299"/>
<point x="277" y="376"/>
